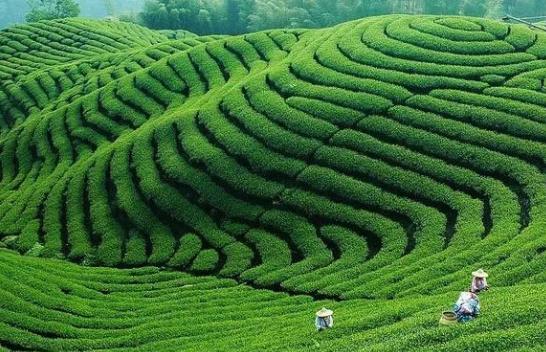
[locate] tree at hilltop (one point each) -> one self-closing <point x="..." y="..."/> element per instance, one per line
<point x="51" y="9"/>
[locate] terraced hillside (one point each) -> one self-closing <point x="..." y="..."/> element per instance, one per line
<point x="368" y="167"/>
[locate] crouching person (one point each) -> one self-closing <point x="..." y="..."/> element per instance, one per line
<point x="467" y="307"/>
<point x="324" y="319"/>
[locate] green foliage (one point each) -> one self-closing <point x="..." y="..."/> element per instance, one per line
<point x="135" y="251"/>
<point x="205" y="261"/>
<point x="52" y="9"/>
<point x="240" y="16"/>
<point x="131" y="308"/>
<point x="380" y="161"/>
<point x="189" y="248"/>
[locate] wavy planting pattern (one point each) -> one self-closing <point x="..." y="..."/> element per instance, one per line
<point x="58" y="306"/>
<point x="377" y="159"/>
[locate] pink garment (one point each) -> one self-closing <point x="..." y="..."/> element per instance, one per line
<point x="478" y="284"/>
<point x="466" y="302"/>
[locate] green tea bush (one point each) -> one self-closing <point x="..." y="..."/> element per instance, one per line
<point x="274" y="254"/>
<point x="109" y="231"/>
<point x="267" y="131"/>
<point x="453" y="29"/>
<point x="521" y="37"/>
<point x="189" y="247"/>
<point x="135" y="249"/>
<point x="265" y="47"/>
<point x="205" y="261"/>
<point x="402" y="30"/>
<point x="376" y="39"/>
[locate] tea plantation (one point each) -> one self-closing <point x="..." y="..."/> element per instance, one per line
<point x="211" y="193"/>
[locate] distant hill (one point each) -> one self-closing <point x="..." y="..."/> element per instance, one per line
<point x="13" y="12"/>
<point x="228" y="187"/>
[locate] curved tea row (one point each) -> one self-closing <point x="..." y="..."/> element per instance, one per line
<point x="49" y="305"/>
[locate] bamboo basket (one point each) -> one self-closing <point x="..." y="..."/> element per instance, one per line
<point x="448" y="318"/>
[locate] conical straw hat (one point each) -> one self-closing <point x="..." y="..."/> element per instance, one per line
<point x="480" y="273"/>
<point x="323" y="313"/>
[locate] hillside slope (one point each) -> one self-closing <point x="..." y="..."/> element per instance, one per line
<point x="55" y="306"/>
<point x="27" y="47"/>
<point x="379" y="159"/>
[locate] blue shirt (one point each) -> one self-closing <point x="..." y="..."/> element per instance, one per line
<point x="324" y="323"/>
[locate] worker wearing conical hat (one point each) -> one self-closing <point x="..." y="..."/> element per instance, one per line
<point x="479" y="281"/>
<point x="324" y="319"/>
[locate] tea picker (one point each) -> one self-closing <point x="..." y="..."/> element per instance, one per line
<point x="467" y="307"/>
<point x="324" y="319"/>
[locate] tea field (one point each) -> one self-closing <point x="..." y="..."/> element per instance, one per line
<point x="165" y="192"/>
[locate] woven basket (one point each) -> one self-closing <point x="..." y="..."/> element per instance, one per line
<point x="448" y="318"/>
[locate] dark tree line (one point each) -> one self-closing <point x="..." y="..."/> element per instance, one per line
<point x="238" y="16"/>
